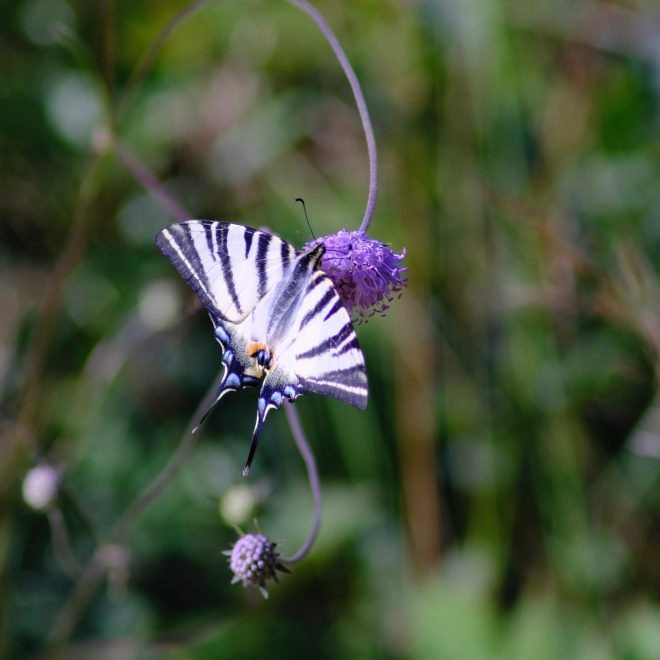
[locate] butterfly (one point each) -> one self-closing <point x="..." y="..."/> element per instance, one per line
<point x="277" y="316"/>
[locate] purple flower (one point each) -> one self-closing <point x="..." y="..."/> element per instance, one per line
<point x="367" y="273"/>
<point x="253" y="560"/>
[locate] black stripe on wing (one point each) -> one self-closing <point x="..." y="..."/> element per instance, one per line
<point x="263" y="241"/>
<point x="248" y="236"/>
<point x="225" y="262"/>
<point x="334" y="309"/>
<point x="333" y="343"/>
<point x="211" y="240"/>
<point x="353" y="375"/>
<point x="177" y="244"/>
<point x="286" y="255"/>
<point x="348" y="385"/>
<point x="325" y="300"/>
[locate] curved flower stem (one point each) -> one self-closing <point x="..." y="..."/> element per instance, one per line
<point x="314" y="14"/>
<point x="310" y="464"/>
<point x="148" y="180"/>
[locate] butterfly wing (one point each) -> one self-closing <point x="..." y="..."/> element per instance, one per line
<point x="323" y="350"/>
<point x="230" y="267"/>
<point x="318" y="353"/>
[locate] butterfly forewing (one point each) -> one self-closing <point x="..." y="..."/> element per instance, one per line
<point x="230" y="267"/>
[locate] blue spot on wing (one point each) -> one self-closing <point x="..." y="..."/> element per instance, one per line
<point x="235" y="378"/>
<point x="290" y="392"/>
<point x="274" y="395"/>
<point x="220" y="333"/>
<point x="232" y="380"/>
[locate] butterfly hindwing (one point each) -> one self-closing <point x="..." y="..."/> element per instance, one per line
<point x="322" y="350"/>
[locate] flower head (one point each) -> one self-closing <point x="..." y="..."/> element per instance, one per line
<point x="40" y="486"/>
<point x="253" y="560"/>
<point x="366" y="272"/>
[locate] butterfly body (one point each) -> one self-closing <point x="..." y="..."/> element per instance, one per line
<point x="276" y="314"/>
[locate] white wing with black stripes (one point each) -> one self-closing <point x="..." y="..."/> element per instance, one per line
<point x="230" y="267"/>
<point x="323" y="350"/>
<point x="276" y="314"/>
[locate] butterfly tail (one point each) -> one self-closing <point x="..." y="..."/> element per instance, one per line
<point x="232" y="381"/>
<point x="222" y="390"/>
<point x="270" y="398"/>
<point x="261" y="418"/>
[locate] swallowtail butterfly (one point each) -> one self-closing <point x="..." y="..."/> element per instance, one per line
<point x="277" y="316"/>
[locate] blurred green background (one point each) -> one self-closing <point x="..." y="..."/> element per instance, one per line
<point x="500" y="497"/>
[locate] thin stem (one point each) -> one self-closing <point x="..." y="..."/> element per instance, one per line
<point x="69" y="613"/>
<point x="314" y="14"/>
<point x="61" y="543"/>
<point x="72" y="502"/>
<point x="107" y="17"/>
<point x="96" y="568"/>
<point x="149" y="58"/>
<point x="149" y="495"/>
<point x="148" y="180"/>
<point x="314" y="484"/>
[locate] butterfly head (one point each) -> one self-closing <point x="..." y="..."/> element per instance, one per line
<point x="316" y="253"/>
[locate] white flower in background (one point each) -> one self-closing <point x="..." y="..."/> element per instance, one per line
<point x="40" y="486"/>
<point x="238" y="504"/>
<point x="159" y="304"/>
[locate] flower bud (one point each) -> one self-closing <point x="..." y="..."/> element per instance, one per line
<point x="253" y="560"/>
<point x="40" y="486"/>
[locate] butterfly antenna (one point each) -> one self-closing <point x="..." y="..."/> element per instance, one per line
<point x="302" y="201"/>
